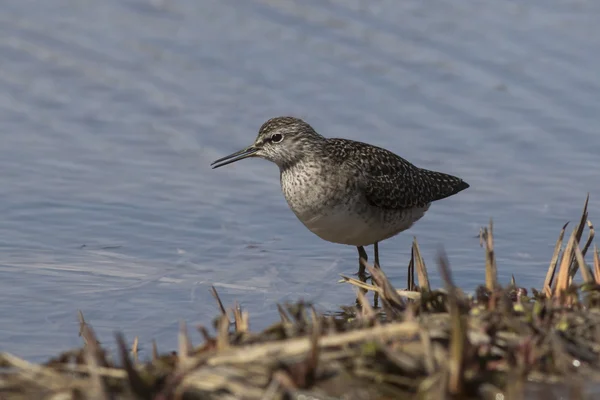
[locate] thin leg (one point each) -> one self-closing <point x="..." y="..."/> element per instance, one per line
<point x="362" y="254"/>
<point x="376" y="252"/>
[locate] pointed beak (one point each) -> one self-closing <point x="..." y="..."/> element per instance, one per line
<point x="238" y="155"/>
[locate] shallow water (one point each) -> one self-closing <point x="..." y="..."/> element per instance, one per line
<point x="112" y="112"/>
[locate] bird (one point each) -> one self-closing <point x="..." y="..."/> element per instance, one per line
<point x="346" y="191"/>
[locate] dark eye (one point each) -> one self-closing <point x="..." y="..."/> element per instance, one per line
<point x="277" y="137"/>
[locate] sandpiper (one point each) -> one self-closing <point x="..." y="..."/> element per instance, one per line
<point x="346" y="191"/>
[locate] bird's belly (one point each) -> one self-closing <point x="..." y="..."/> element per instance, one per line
<point x="363" y="228"/>
<point x="336" y="211"/>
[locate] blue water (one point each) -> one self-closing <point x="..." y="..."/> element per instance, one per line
<point x="111" y="112"/>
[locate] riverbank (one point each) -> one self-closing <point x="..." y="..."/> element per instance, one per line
<point x="505" y="342"/>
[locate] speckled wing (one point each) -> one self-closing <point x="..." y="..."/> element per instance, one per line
<point x="391" y="182"/>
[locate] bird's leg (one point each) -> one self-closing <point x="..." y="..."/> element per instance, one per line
<point x="376" y="252"/>
<point x="362" y="254"/>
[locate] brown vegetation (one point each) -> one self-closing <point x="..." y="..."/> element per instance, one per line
<point x="499" y="343"/>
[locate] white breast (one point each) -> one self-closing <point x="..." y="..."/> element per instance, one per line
<point x="336" y="214"/>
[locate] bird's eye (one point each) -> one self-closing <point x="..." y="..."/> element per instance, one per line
<point x="277" y="137"/>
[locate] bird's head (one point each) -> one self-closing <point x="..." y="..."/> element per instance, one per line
<point x="281" y="140"/>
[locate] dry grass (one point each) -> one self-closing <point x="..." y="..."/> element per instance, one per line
<point x="500" y="343"/>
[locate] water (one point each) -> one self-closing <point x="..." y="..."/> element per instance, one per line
<point x="112" y="111"/>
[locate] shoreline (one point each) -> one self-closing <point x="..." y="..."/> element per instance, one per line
<point x="498" y="343"/>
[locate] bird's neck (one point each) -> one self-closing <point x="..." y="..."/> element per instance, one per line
<point x="309" y="154"/>
<point x="302" y="164"/>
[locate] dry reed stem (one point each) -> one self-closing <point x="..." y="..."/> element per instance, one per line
<point x="312" y="360"/>
<point x="597" y="264"/>
<point x="184" y="344"/>
<point x="82" y="325"/>
<point x="491" y="273"/>
<point x="422" y="275"/>
<point x="428" y="358"/>
<point x="34" y="373"/>
<point x="108" y="372"/>
<point x="554" y="263"/>
<point x="562" y="282"/>
<point x="355" y="282"/>
<point x="578" y="235"/>
<point x="591" y="235"/>
<point x="81" y="322"/>
<point x="136" y="383"/>
<point x="215" y="294"/>
<point x="155" y="355"/>
<point x="92" y="352"/>
<point x="366" y="311"/>
<point x="208" y="340"/>
<point x="389" y="295"/>
<point x="283" y="315"/>
<point x="223" y="333"/>
<point x="298" y="346"/>
<point x="458" y="333"/>
<point x="585" y="272"/>
<point x="134" y="349"/>
<point x="577" y="252"/>
<point x="241" y="319"/>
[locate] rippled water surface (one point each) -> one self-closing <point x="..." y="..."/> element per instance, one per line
<point x="111" y="112"/>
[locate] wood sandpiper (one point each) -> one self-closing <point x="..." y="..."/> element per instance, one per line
<point x="346" y="191"/>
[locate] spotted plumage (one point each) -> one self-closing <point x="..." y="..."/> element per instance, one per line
<point x="389" y="181"/>
<point x="346" y="191"/>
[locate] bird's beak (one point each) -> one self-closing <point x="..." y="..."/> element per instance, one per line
<point x="238" y="155"/>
